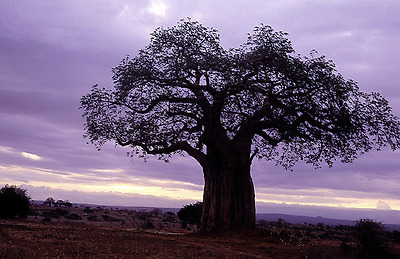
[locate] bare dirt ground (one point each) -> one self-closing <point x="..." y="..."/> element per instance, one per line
<point x="61" y="240"/>
<point x="130" y="234"/>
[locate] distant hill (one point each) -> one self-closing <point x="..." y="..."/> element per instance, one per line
<point x="293" y="219"/>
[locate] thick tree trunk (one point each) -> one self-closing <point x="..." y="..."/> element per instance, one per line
<point x="228" y="201"/>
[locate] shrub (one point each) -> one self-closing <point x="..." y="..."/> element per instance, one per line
<point x="14" y="202"/>
<point x="62" y="212"/>
<point x="396" y="236"/>
<point x="370" y="237"/>
<point x="73" y="216"/>
<point x="93" y="218"/>
<point x="155" y="212"/>
<point x="88" y="210"/>
<point x="109" y="218"/>
<point x="144" y="215"/>
<point x="148" y="225"/>
<point x="50" y="214"/>
<point x="191" y="214"/>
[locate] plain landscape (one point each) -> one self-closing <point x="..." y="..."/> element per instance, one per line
<point x="93" y="231"/>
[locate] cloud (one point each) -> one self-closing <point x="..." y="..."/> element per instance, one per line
<point x="111" y="198"/>
<point x="383" y="206"/>
<point x="157" y="7"/>
<point x="31" y="156"/>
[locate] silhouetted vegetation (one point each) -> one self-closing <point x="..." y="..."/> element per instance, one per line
<point x="191" y="214"/>
<point x="128" y="233"/>
<point x="88" y="210"/>
<point x="185" y="93"/>
<point x="109" y="218"/>
<point x="365" y="239"/>
<point x="14" y="202"/>
<point x="371" y="238"/>
<point x="49" y="201"/>
<point x="73" y="216"/>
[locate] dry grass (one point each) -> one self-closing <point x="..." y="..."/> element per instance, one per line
<point x="128" y="237"/>
<point x="61" y="240"/>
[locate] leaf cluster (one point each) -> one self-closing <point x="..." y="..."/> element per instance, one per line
<point x="185" y="93"/>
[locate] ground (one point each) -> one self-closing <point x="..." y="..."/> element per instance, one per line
<point x="132" y="234"/>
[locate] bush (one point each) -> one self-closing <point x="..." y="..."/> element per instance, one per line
<point x="109" y="219"/>
<point x="88" y="210"/>
<point x="50" y="214"/>
<point x="155" y="212"/>
<point x="73" y="216"/>
<point x="93" y="218"/>
<point x="14" y="202"/>
<point x="370" y="237"/>
<point x="62" y="212"/>
<point x="191" y="214"/>
<point x="148" y="225"/>
<point x="396" y="236"/>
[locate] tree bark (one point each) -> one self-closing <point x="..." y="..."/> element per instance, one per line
<point x="228" y="201"/>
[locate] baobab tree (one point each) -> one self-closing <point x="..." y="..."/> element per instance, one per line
<point x="184" y="93"/>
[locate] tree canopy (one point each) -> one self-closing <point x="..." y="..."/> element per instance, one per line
<point x="166" y="97"/>
<point x="185" y="93"/>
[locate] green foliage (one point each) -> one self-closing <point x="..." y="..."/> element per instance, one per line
<point x="14" y="202"/>
<point x="191" y="214"/>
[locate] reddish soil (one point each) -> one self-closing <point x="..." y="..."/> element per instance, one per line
<point x="130" y="234"/>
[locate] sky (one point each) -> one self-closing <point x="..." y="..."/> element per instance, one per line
<point x="53" y="52"/>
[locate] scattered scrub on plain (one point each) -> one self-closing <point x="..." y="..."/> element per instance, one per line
<point x="365" y="239"/>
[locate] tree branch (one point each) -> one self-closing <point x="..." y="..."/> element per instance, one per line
<point x="167" y="149"/>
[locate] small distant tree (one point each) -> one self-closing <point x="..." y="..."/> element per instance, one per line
<point x="59" y="203"/>
<point x="68" y="204"/>
<point x="155" y="212"/>
<point x="280" y="222"/>
<point x="49" y="201"/>
<point x="14" y="202"/>
<point x="191" y="214"/>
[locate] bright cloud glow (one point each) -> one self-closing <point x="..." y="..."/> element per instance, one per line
<point x="6" y="150"/>
<point x="329" y="198"/>
<point x="30" y="156"/>
<point x="158" y="8"/>
<point x="66" y="180"/>
<point x="12" y="151"/>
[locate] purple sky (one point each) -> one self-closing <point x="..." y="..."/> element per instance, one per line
<point x="52" y="52"/>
